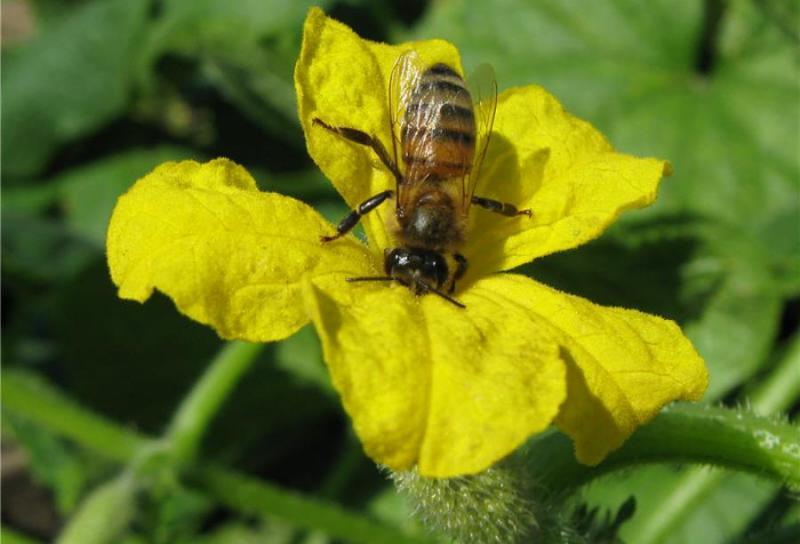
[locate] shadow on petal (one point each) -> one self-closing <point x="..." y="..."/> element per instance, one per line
<point x="501" y="178"/>
<point x="585" y="419"/>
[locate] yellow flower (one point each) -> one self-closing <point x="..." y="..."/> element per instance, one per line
<point x="426" y="383"/>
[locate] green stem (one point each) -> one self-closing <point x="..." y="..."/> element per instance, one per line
<point x="251" y="496"/>
<point x="204" y="400"/>
<point x="734" y="439"/>
<point x="29" y="397"/>
<point x="37" y="401"/>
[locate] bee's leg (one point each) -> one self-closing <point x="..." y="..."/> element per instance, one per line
<point x="363" y="138"/>
<point x="347" y="224"/>
<point x="461" y="269"/>
<point x="503" y="208"/>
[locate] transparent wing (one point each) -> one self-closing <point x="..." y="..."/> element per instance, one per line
<point x="405" y="77"/>
<point x="482" y="87"/>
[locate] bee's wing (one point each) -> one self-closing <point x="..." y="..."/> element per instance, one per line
<point x="482" y="87"/>
<point x="405" y="77"/>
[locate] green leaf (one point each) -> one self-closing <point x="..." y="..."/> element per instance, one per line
<point x="719" y="515"/>
<point x="130" y="352"/>
<point x="62" y="468"/>
<point x="732" y="135"/>
<point x="11" y="537"/>
<point x="247" y="50"/>
<point x="40" y="250"/>
<point x="230" y="25"/>
<point x="68" y="81"/>
<point x="300" y="356"/>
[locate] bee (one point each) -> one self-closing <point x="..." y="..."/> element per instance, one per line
<point x="441" y="130"/>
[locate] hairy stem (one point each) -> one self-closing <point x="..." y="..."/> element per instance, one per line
<point x="733" y="439"/>
<point x="28" y="396"/>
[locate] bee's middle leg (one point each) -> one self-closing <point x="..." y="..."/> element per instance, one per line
<point x="363" y="138"/>
<point x="503" y="208"/>
<point x="351" y="220"/>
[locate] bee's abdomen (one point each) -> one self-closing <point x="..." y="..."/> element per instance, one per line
<point x="438" y="132"/>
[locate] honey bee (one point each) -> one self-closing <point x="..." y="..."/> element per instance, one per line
<point x="444" y="129"/>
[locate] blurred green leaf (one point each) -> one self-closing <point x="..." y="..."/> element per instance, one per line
<point x="130" y="361"/>
<point x="718" y="516"/>
<point x="739" y="322"/>
<point x="300" y="355"/>
<point x="68" y="81"/>
<point x="40" y="250"/>
<point x="62" y="468"/>
<point x="629" y="67"/>
<point x="391" y="507"/>
<point x="238" y="532"/>
<point x="247" y="50"/>
<point x="173" y="513"/>
<point x="12" y="537"/>
<point x="231" y="26"/>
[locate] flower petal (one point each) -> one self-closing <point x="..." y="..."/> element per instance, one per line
<point x="344" y="81"/>
<point x="623" y="365"/>
<point x="543" y="158"/>
<point x="228" y="255"/>
<point x="452" y="390"/>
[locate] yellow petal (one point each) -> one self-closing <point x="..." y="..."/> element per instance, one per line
<point x="623" y="365"/>
<point x="425" y="382"/>
<point x="344" y="80"/>
<point x="228" y="255"/>
<point x="543" y="158"/>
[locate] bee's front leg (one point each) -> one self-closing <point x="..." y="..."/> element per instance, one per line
<point x="351" y="220"/>
<point x="461" y="269"/>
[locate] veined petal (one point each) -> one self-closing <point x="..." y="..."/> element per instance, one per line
<point x="452" y="390"/>
<point x="227" y="254"/>
<point x="563" y="169"/>
<point x="623" y="365"/>
<point x="344" y="80"/>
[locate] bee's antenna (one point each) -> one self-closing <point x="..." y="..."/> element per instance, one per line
<point x="444" y="296"/>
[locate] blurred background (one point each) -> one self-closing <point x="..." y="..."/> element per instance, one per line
<point x="95" y="93"/>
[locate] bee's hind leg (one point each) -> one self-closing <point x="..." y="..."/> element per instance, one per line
<point x="363" y="138"/>
<point x="503" y="208"/>
<point x="461" y="269"/>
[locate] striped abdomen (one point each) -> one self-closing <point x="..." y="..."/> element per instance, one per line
<point x="438" y="132"/>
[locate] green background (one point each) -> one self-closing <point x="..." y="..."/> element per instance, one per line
<point x="96" y="93"/>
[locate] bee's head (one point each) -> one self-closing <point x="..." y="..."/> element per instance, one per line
<point x="420" y="269"/>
